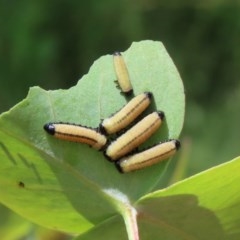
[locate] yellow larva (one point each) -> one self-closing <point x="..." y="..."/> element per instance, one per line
<point x="76" y="133"/>
<point x="122" y="73"/>
<point x="127" y="114"/>
<point x="135" y="136"/>
<point x="148" y="157"/>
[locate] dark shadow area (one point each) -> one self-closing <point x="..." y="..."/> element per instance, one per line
<point x="178" y="217"/>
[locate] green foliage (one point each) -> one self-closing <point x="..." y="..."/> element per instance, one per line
<point x="205" y="206"/>
<point x="62" y="185"/>
<point x="72" y="188"/>
<point x="215" y="190"/>
<point x="52" y="43"/>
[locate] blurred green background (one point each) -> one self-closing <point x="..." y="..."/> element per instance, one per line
<point x="53" y="43"/>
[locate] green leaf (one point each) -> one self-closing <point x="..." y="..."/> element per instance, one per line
<point x="205" y="206"/>
<point x="212" y="192"/>
<point x="63" y="185"/>
<point x="12" y="226"/>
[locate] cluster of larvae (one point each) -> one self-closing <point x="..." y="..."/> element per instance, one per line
<point x="122" y="151"/>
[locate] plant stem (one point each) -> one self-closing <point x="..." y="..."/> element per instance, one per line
<point x="130" y="219"/>
<point x="128" y="212"/>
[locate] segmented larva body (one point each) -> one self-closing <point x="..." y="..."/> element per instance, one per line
<point x="135" y="136"/>
<point x="76" y="133"/>
<point x="127" y="114"/>
<point x="148" y="157"/>
<point x="122" y="73"/>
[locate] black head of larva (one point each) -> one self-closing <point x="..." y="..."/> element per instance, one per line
<point x="102" y="129"/>
<point x="161" y="114"/>
<point x="128" y="93"/>
<point x="177" y="144"/>
<point x="49" y="128"/>
<point x="118" y="166"/>
<point x="149" y="94"/>
<point x="117" y="53"/>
